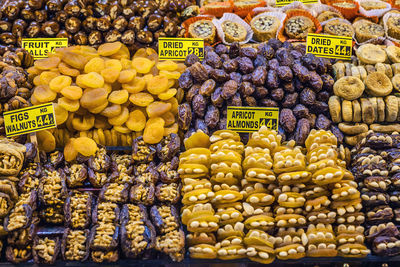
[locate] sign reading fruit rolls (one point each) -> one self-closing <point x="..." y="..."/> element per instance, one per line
<point x="40" y="47"/>
<point x="29" y="120"/>
<point x="329" y="46"/>
<point x="179" y="48"/>
<point x="287" y="2"/>
<point x="250" y="119"/>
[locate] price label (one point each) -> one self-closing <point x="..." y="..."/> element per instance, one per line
<point x="329" y="46"/>
<point x="250" y="119"/>
<point x="40" y="47"/>
<point x="29" y="120"/>
<point x="179" y="48"/>
<point x="287" y="2"/>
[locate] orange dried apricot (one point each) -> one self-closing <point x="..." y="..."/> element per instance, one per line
<point x="157" y="108"/>
<point x="126" y="63"/>
<point x="61" y="114"/>
<point x="72" y="92"/>
<point x="46" y="141"/>
<point x="43" y="93"/>
<point x="34" y="101"/>
<point x="181" y="67"/>
<point x="157" y="85"/>
<point x="102" y="138"/>
<point x="137" y="85"/>
<point x="197" y="139"/>
<point x="93" y="98"/>
<point x="70" y="153"/>
<point x="58" y="83"/>
<point x="170" y="74"/>
<point x="108" y="87"/>
<point x="46" y="77"/>
<point x="67" y="70"/>
<point x="111" y="111"/>
<point x="114" y="137"/>
<point x="168" y="94"/>
<point x="123" y="53"/>
<point x="101" y="122"/>
<point x="126" y="76"/>
<point x="171" y="83"/>
<point x="85" y="145"/>
<point x="68" y="104"/>
<point x="136" y="121"/>
<point x="110" y="75"/>
<point x="47" y="63"/>
<point x="174" y="105"/>
<point x="142" y="65"/>
<point x="36" y="81"/>
<point x="140" y="53"/>
<point x="33" y="71"/>
<point x="154" y="130"/>
<point x="168" y="65"/>
<point x="121" y="118"/>
<point x="118" y="97"/>
<point x="74" y="60"/>
<point x="171" y="129"/>
<point x="99" y="108"/>
<point x="109" y="49"/>
<point x="141" y="99"/>
<point x="122" y="129"/>
<point x="83" y="123"/>
<point x="148" y="77"/>
<point x="168" y="118"/>
<point x="79" y="82"/>
<point x="68" y="123"/>
<point x="113" y="64"/>
<point x="92" y="80"/>
<point x="96" y="64"/>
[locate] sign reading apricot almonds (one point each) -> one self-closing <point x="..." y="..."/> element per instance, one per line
<point x="279" y="3"/>
<point x="29" y="120"/>
<point x="179" y="48"/>
<point x="329" y="46"/>
<point x="40" y="47"/>
<point x="250" y="119"/>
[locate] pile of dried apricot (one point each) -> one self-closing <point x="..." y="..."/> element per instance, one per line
<point x="108" y="96"/>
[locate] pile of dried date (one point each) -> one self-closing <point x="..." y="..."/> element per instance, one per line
<point x="274" y="74"/>
<point x="93" y="22"/>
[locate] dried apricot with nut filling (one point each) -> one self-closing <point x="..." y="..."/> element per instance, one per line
<point x="136" y="121"/>
<point x="141" y="99"/>
<point x="154" y="131"/>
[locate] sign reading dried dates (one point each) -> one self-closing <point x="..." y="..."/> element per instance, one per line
<point x="40" y="47"/>
<point x="280" y="3"/>
<point x="250" y="119"/>
<point x="329" y="46"/>
<point x="179" y="48"/>
<point x="29" y="120"/>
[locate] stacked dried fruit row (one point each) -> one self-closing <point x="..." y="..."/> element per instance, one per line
<point x="375" y="168"/>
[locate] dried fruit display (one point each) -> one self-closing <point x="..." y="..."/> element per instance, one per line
<point x="93" y="22"/>
<point x="274" y="74"/>
<point x="107" y="96"/>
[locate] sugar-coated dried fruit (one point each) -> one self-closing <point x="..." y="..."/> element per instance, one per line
<point x="137" y="85"/>
<point x="46" y="141"/>
<point x="141" y="99"/>
<point x="86" y="146"/>
<point x="70" y="153"/>
<point x="142" y="65"/>
<point x="121" y="118"/>
<point x="136" y="121"/>
<point x="168" y="94"/>
<point x="157" y="85"/>
<point x="96" y="64"/>
<point x="118" y="96"/>
<point x="154" y="130"/>
<point x="157" y="108"/>
<point x="72" y="92"/>
<point x="126" y="76"/>
<point x="68" y="104"/>
<point x="60" y="113"/>
<point x="93" y="97"/>
<point x="109" y="49"/>
<point x="112" y="111"/>
<point x="92" y="80"/>
<point x="43" y="93"/>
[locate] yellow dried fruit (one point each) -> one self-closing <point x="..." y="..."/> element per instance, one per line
<point x="46" y="141"/>
<point x="68" y="104"/>
<point x="109" y="49"/>
<point x="174" y="105"/>
<point x="112" y="111"/>
<point x="34" y="101"/>
<point x="170" y="74"/>
<point x="157" y="85"/>
<point x="83" y="123"/>
<point x="74" y="60"/>
<point x="67" y="70"/>
<point x="122" y="129"/>
<point x="110" y="75"/>
<point x="60" y="82"/>
<point x="126" y="63"/>
<point x="33" y="71"/>
<point x="96" y="64"/>
<point x="141" y="99"/>
<point x="72" y="92"/>
<point x="43" y="93"/>
<point x="172" y="129"/>
<point x="168" y="118"/>
<point x="137" y="85"/>
<point x="140" y="53"/>
<point x="157" y="108"/>
<point x="46" y="76"/>
<point x="168" y="65"/>
<point x="92" y="80"/>
<point x="121" y="118"/>
<point x="47" y="63"/>
<point x="70" y="153"/>
<point x="118" y="97"/>
<point x="79" y="82"/>
<point x="93" y="98"/>
<point x="108" y="87"/>
<point x="126" y="76"/>
<point x="36" y="81"/>
<point x="99" y="108"/>
<point x="101" y="122"/>
<point x="61" y="114"/>
<point x="86" y="146"/>
<point x="123" y="53"/>
<point x="113" y="64"/>
<point x="154" y="130"/>
<point x="136" y="121"/>
<point x="142" y="65"/>
<point x="168" y="94"/>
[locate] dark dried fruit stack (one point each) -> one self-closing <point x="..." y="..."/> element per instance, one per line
<point x="93" y="22"/>
<point x="275" y="74"/>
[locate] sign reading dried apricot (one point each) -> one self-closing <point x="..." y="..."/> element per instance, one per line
<point x="40" y="47"/>
<point x="29" y="120"/>
<point x="287" y="2"/>
<point x="250" y="119"/>
<point x="179" y="48"/>
<point x="329" y="46"/>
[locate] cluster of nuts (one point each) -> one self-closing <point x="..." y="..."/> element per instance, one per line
<point x="375" y="165"/>
<point x="107" y="95"/>
<point x="45" y="250"/>
<point x="92" y="22"/>
<point x="274" y="74"/>
<point x="364" y="93"/>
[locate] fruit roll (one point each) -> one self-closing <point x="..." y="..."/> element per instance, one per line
<point x="165" y="218"/>
<point x="168" y="193"/>
<point x="75" y="245"/>
<point x="105" y="212"/>
<point x="113" y="192"/>
<point x="76" y="174"/>
<point x="102" y="256"/>
<point x="100" y="162"/>
<point x="104" y="237"/>
<point x="168" y="171"/>
<point x="168" y="147"/>
<point x="142" y="152"/>
<point x="52" y="188"/>
<point x="146" y="173"/>
<point x="45" y="249"/>
<point x="18" y="255"/>
<point x="21" y="215"/>
<point x="78" y="209"/>
<point x="142" y="194"/>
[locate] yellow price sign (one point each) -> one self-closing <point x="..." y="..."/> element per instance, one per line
<point x="40" y="47"/>
<point x="29" y="120"/>
<point x="279" y="3"/>
<point x="179" y="48"/>
<point x="250" y="119"/>
<point x="329" y="46"/>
